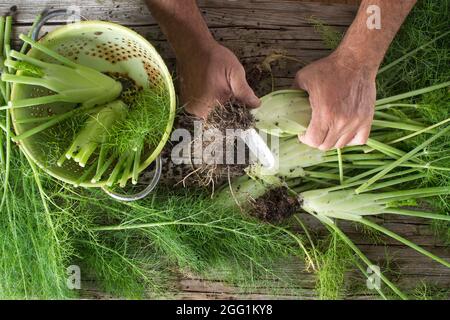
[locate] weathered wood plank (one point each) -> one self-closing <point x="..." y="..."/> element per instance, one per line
<point x="416" y="230"/>
<point x="217" y="13"/>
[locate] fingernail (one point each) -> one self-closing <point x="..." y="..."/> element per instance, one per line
<point x="355" y="143"/>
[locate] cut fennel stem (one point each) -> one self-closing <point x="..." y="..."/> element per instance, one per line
<point x="70" y="81"/>
<point x="327" y="205"/>
<point x="346" y="204"/>
<point x="95" y="132"/>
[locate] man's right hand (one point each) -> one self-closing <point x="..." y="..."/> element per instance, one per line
<point x="212" y="75"/>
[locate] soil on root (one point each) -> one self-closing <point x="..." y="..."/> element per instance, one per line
<point x="212" y="169"/>
<point x="276" y="205"/>
<point x="230" y="115"/>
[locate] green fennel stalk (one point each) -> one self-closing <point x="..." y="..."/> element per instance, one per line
<point x="70" y="81"/>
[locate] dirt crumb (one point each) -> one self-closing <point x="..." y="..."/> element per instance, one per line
<point x="276" y="205"/>
<point x="230" y="115"/>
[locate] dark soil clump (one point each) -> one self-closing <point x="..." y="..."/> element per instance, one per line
<point x="276" y="205"/>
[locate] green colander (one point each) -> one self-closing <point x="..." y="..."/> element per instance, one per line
<point x="109" y="48"/>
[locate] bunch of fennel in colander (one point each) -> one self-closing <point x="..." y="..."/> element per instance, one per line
<point x="114" y="133"/>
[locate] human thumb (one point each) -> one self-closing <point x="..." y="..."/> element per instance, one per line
<point x="300" y="80"/>
<point x="245" y="94"/>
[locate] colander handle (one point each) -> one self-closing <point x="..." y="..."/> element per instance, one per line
<point x="143" y="193"/>
<point x="48" y="15"/>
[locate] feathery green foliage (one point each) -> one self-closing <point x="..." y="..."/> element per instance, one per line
<point x="334" y="259"/>
<point x="189" y="232"/>
<point x="155" y="238"/>
<point x="36" y="243"/>
<point x="330" y="36"/>
<point x="425" y="291"/>
<point x="428" y="20"/>
<point x="145" y="123"/>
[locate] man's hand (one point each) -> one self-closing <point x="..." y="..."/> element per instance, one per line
<point x="209" y="73"/>
<point x="341" y="87"/>
<point x="342" y="98"/>
<point x="213" y="75"/>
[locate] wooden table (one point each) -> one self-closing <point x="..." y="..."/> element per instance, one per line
<point x="254" y="30"/>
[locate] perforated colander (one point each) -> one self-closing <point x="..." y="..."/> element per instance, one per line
<point x="104" y="46"/>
